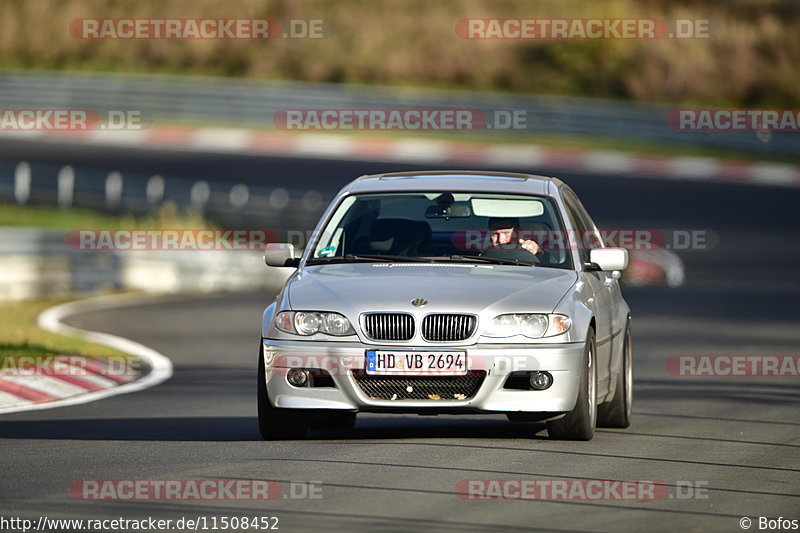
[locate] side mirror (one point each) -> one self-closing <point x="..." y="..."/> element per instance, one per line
<point x="609" y="258"/>
<point x="280" y="254"/>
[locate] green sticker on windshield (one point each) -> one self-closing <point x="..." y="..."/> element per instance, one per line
<point x="328" y="250"/>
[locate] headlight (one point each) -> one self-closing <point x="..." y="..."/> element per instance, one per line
<point x="311" y="322"/>
<point x="534" y="326"/>
<point x="307" y="323"/>
<point x="336" y="324"/>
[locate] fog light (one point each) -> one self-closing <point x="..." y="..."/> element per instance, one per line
<point x="540" y="380"/>
<point x="297" y="377"/>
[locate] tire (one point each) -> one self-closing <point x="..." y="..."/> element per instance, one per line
<point x="617" y="412"/>
<point x="579" y="423"/>
<point x="332" y="419"/>
<point x="275" y="423"/>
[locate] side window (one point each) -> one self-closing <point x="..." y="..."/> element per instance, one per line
<point x="588" y="236"/>
<point x="593" y="238"/>
<point x="584" y="214"/>
<point x="576" y="237"/>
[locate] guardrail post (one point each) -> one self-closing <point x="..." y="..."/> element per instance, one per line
<point x="312" y="200"/>
<point x="154" y="190"/>
<point x="22" y="183"/>
<point x="279" y="198"/>
<point x="199" y="195"/>
<point x="113" y="190"/>
<point x="239" y="196"/>
<point x="66" y="186"/>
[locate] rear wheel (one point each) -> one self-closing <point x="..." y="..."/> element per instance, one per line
<point x="617" y="412"/>
<point x="275" y="423"/>
<point x="579" y="423"/>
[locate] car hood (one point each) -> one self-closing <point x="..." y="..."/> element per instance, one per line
<point x="354" y="288"/>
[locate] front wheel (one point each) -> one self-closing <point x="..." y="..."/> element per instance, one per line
<point x="617" y="412"/>
<point x="275" y="423"/>
<point x="579" y="423"/>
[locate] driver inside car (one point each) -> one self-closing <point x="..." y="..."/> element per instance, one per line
<point x="504" y="237"/>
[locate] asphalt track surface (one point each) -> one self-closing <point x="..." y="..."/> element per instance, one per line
<point x="739" y="438"/>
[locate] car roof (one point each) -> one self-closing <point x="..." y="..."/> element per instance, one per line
<point x="455" y="180"/>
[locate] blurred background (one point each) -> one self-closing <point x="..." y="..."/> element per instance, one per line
<point x="211" y="153"/>
<point x="749" y="60"/>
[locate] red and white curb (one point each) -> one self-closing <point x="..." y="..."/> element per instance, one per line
<point x="57" y="381"/>
<point x="95" y="381"/>
<point x="422" y="151"/>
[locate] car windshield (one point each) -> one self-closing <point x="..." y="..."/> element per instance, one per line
<point x="444" y="227"/>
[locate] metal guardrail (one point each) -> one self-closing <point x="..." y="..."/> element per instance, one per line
<point x="254" y="103"/>
<point x="289" y="212"/>
<point x="39" y="263"/>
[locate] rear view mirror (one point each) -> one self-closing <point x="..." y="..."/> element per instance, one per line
<point x="609" y="258"/>
<point x="459" y="210"/>
<point x="280" y="254"/>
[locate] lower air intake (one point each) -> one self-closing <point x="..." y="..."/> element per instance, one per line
<point x="453" y="388"/>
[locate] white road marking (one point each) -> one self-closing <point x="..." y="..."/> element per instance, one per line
<point x="51" y="320"/>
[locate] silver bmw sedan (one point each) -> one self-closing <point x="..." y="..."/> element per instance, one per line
<point x="449" y="292"/>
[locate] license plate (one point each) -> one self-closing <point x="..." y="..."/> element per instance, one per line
<point x="416" y="363"/>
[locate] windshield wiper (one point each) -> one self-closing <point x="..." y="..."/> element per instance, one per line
<point x="367" y="258"/>
<point x="399" y="258"/>
<point x="485" y="259"/>
<point x="346" y="258"/>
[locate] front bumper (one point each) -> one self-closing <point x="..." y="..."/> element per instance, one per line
<point x="341" y="359"/>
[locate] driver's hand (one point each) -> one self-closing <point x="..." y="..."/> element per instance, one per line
<point x="529" y="245"/>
